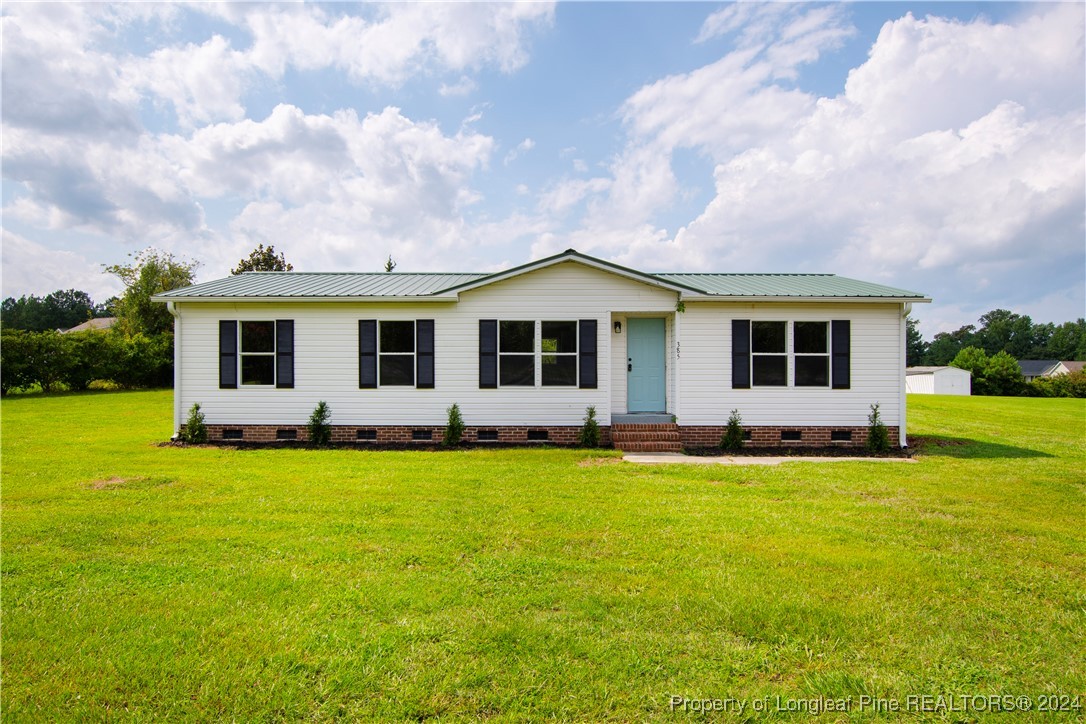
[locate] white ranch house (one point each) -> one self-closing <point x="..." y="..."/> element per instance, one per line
<point x="663" y="358"/>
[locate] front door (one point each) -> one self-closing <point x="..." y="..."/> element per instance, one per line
<point x="645" y="345"/>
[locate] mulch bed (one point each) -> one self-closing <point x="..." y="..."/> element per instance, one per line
<point x="799" y="452"/>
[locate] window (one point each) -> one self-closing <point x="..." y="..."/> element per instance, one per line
<point x="815" y="354"/>
<point x="396" y="355"/>
<point x="769" y="354"/>
<point x="564" y="351"/>
<point x="558" y="345"/>
<point x="812" y="354"/>
<point x="257" y="353"/>
<point x="516" y="354"/>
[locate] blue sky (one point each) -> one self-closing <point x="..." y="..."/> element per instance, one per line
<point x="939" y="147"/>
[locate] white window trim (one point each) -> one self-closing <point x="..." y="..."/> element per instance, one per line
<point x="273" y="354"/>
<point x="825" y="355"/>
<point x="786" y="353"/>
<point x="574" y="354"/>
<point x="537" y="354"/>
<point x="534" y="353"/>
<point x="414" y="352"/>
<point x="791" y="355"/>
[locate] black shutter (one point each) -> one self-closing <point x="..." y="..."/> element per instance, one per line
<point x="841" y="346"/>
<point x="367" y="353"/>
<point x="424" y="353"/>
<point x="586" y="357"/>
<point x="284" y="353"/>
<point x="488" y="353"/>
<point x="741" y="354"/>
<point x="228" y="354"/>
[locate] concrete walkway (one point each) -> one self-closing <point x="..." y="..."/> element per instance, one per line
<point x="681" y="459"/>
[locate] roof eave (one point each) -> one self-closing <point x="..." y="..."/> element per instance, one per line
<point x="798" y="298"/>
<point x="236" y="299"/>
<point x="572" y="255"/>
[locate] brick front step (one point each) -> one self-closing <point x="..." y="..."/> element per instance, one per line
<point x="649" y="436"/>
<point x="656" y="446"/>
<point x="655" y="437"/>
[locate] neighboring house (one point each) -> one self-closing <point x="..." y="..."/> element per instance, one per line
<point x="1034" y="368"/>
<point x="938" y="381"/>
<point x="525" y="351"/>
<point x="98" y="324"/>
<point x="1066" y="367"/>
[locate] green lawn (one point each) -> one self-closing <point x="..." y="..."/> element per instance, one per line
<point x="157" y="582"/>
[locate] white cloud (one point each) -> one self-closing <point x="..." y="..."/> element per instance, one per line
<point x="386" y="45"/>
<point x="340" y="183"/>
<point x="526" y="145"/>
<point x="953" y="163"/>
<point x="32" y="268"/>
<point x="463" y="87"/>
<point x="203" y="82"/>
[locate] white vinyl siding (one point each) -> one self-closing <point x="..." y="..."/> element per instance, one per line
<point x="698" y="358"/>
<point x="326" y="355"/>
<point x="705" y="386"/>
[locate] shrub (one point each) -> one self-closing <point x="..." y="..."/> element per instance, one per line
<point x="878" y="437"/>
<point x="194" y="430"/>
<point x="320" y="432"/>
<point x="1003" y="375"/>
<point x="1069" y="385"/>
<point x="975" y="360"/>
<point x="454" y="428"/>
<point x="733" y="435"/>
<point x="590" y="430"/>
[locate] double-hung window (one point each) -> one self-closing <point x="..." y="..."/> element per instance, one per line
<point x="256" y="353"/>
<point x="558" y="347"/>
<point x="396" y="354"/>
<point x="811" y="348"/>
<point x="769" y="354"/>
<point x="516" y="354"/>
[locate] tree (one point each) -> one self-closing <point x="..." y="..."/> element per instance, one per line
<point x="1004" y="331"/>
<point x="975" y="361"/>
<point x="261" y="259"/>
<point x="948" y="344"/>
<point x="150" y="272"/>
<point x="1002" y="375"/>
<point x="62" y="309"/>
<point x="390" y="265"/>
<point x="1067" y="342"/>
<point x="915" y="346"/>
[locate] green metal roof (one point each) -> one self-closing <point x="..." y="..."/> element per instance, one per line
<point x="391" y="285"/>
<point x="333" y="285"/>
<point x="786" y="285"/>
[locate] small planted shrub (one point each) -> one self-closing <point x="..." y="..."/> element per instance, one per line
<point x="454" y="427"/>
<point x="878" y="437"/>
<point x="320" y="432"/>
<point x="194" y="430"/>
<point x="590" y="431"/>
<point x="733" y="434"/>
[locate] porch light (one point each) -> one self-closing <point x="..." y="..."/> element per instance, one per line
<point x="618" y="327"/>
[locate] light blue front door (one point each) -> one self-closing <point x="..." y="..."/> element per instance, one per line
<point x="645" y="364"/>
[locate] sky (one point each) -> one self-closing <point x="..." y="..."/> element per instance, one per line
<point x="936" y="147"/>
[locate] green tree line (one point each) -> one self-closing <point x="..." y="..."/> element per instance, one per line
<point x="1000" y="331"/>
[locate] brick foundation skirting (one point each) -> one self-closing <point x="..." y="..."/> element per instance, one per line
<point x="770" y="436"/>
<point x="408" y="434"/>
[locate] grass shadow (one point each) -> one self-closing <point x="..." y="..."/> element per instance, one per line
<point x="960" y="447"/>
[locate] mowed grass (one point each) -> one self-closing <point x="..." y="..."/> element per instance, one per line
<point x="151" y="582"/>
